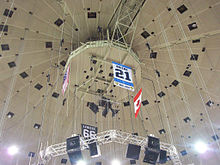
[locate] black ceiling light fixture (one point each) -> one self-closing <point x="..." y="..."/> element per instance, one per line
<point x="161" y="94"/>
<point x="192" y="26"/>
<point x="187" y="119"/>
<point x="187" y="73"/>
<point x="5" y="47"/>
<point x="63" y="63"/>
<point x="209" y="103"/>
<point x="10" y="115"/>
<point x="11" y="64"/>
<point x="49" y="44"/>
<point x="8" y="13"/>
<point x="38" y="86"/>
<point x="37" y="126"/>
<point x="58" y="22"/>
<point x="145" y="34"/>
<point x="145" y="102"/>
<point x="196" y="41"/>
<point x="91" y="14"/>
<point x="162" y="131"/>
<point x="175" y="83"/>
<point x="4" y="28"/>
<point x="153" y="55"/>
<point x="182" y="9"/>
<point x="23" y="75"/>
<point x="194" y="57"/>
<point x="55" y="95"/>
<point x="126" y="104"/>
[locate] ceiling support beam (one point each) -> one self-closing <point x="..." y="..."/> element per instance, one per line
<point x="178" y="42"/>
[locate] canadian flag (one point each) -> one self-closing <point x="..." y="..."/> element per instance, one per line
<point x="137" y="102"/>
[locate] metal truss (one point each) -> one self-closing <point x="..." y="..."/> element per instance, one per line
<point x="102" y="43"/>
<point x="110" y="136"/>
<point x="124" y="21"/>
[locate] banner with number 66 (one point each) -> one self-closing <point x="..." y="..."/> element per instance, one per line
<point x="88" y="131"/>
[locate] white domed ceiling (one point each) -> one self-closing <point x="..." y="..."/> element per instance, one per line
<point x="177" y="44"/>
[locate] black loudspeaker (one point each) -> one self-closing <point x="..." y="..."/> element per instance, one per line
<point x="94" y="150"/>
<point x="73" y="143"/>
<point x="132" y="161"/>
<point x="105" y="111"/>
<point x="93" y="107"/>
<point x="153" y="150"/>
<point x="98" y="163"/>
<point x="154" y="144"/>
<point x="163" y="157"/>
<point x="75" y="156"/>
<point x="133" y="151"/>
<point x="73" y="149"/>
<point x="150" y="156"/>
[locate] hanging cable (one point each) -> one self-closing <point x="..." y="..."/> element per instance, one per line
<point x="26" y="110"/>
<point x="168" y="124"/>
<point x="11" y="87"/>
<point x="198" y="71"/>
<point x="158" y="108"/>
<point x="176" y="117"/>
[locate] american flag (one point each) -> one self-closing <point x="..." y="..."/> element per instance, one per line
<point x="66" y="80"/>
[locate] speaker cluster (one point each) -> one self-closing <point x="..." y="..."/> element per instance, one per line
<point x="74" y="151"/>
<point x="152" y="155"/>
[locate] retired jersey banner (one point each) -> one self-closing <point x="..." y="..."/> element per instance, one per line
<point x="88" y="131"/>
<point x="122" y="76"/>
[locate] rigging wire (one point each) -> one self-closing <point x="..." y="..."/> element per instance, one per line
<point x="11" y="88"/>
<point x="168" y="124"/>
<point x="176" y="117"/>
<point x="158" y="108"/>
<point x="26" y="110"/>
<point x="198" y="72"/>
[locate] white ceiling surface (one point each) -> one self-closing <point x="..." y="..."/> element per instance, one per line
<point x="172" y="40"/>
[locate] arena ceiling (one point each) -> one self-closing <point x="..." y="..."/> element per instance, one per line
<point x="180" y="81"/>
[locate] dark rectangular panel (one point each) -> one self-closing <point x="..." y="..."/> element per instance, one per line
<point x="133" y="151"/>
<point x="73" y="143"/>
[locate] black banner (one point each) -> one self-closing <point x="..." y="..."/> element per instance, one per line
<point x="88" y="131"/>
